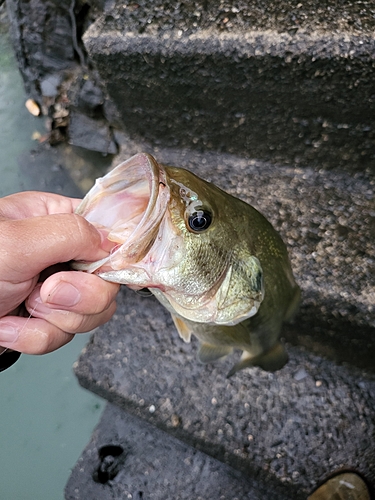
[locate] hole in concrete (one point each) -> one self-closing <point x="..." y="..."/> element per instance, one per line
<point x="111" y="457"/>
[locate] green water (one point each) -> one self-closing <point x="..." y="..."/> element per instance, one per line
<point x="46" y="419"/>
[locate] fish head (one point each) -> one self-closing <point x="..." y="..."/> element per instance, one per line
<point x="179" y="236"/>
<point x="128" y="205"/>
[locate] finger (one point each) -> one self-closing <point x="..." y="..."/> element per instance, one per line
<point x="72" y="322"/>
<point x="75" y="291"/>
<point x="12" y="294"/>
<point x="35" y="203"/>
<point x="31" y="335"/>
<point x="46" y="240"/>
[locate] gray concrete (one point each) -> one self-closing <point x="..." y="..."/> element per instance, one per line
<point x="293" y="427"/>
<point x="315" y="415"/>
<point x="300" y="96"/>
<point x="226" y="16"/>
<point x="155" y="466"/>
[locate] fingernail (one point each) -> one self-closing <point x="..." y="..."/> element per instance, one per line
<point x="8" y="332"/>
<point x="64" y="294"/>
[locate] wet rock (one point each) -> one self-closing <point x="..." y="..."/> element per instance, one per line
<point x="90" y="98"/>
<point x="50" y="85"/>
<point x="90" y="133"/>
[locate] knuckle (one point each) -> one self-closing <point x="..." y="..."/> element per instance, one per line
<point x="73" y="323"/>
<point x="42" y="342"/>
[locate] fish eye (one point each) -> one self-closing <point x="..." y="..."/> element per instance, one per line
<point x="199" y="221"/>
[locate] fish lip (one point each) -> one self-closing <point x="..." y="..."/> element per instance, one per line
<point x="137" y="243"/>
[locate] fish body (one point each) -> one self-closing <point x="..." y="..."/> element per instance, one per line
<point x="212" y="260"/>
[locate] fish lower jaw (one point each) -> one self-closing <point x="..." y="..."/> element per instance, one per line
<point x="205" y="315"/>
<point x="208" y="313"/>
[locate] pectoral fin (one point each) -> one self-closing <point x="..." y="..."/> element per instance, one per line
<point x="271" y="361"/>
<point x="183" y="329"/>
<point x="209" y="353"/>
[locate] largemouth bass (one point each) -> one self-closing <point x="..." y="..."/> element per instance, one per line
<point x="212" y="260"/>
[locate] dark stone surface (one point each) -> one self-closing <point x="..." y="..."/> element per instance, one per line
<point x="225" y="16"/>
<point x="47" y="40"/>
<point x="43" y="39"/>
<point x="91" y="133"/>
<point x="306" y="98"/>
<point x="155" y="466"/>
<point x="286" y="81"/>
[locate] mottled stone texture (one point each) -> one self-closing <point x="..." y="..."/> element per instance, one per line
<point x="281" y="81"/>
<point x="155" y="466"/>
<point x="286" y="430"/>
<point x="42" y="33"/>
<point x="302" y="98"/>
<point x="47" y="39"/>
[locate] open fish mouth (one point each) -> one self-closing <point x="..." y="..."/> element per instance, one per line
<point x="129" y="203"/>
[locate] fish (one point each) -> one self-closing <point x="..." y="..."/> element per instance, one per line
<point x="212" y="260"/>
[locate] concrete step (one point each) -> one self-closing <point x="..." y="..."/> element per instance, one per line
<point x="290" y="428"/>
<point x="293" y="85"/>
<point x="294" y="427"/>
<point x="226" y="16"/>
<point x="289" y="82"/>
<point x="150" y="464"/>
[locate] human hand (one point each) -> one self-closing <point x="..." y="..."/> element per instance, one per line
<point x="37" y="231"/>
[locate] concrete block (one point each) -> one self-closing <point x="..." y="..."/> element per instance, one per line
<point x="153" y="465"/>
<point x="288" y="91"/>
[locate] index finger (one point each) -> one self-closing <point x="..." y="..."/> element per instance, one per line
<point x="35" y="203"/>
<point x="29" y="246"/>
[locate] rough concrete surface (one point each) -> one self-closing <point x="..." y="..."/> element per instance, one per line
<point x="304" y="98"/>
<point x="283" y="81"/>
<point x="225" y="15"/>
<point x="154" y="466"/>
<point x="294" y="426"/>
